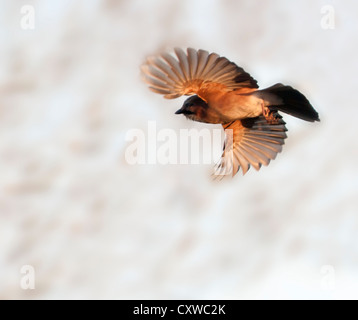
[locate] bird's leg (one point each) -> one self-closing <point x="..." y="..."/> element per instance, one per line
<point x="270" y="115"/>
<point x="265" y="111"/>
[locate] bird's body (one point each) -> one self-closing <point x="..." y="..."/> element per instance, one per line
<point x="223" y="93"/>
<point x="237" y="105"/>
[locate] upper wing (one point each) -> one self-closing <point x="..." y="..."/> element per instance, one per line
<point x="192" y="73"/>
<point x="251" y="141"/>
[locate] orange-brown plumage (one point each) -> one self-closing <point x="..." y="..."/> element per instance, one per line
<point x="221" y="92"/>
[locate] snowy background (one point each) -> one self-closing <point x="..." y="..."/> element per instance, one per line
<point x="93" y="226"/>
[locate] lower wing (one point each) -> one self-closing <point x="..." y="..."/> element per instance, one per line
<point x="250" y="142"/>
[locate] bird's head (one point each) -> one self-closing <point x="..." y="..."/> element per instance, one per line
<point x="194" y="108"/>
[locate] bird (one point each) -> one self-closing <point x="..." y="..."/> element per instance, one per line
<point x="221" y="92"/>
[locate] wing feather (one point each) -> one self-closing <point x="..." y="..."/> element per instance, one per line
<point x="189" y="72"/>
<point x="193" y="61"/>
<point x="183" y="63"/>
<point x="250" y="142"/>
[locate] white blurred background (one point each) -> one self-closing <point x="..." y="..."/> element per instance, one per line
<point x="93" y="226"/>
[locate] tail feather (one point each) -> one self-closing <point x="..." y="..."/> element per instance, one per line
<point x="293" y="102"/>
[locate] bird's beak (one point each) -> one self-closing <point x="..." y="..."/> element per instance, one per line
<point x="180" y="111"/>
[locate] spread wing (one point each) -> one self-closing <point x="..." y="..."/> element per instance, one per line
<point x="250" y="142"/>
<point x="193" y="72"/>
